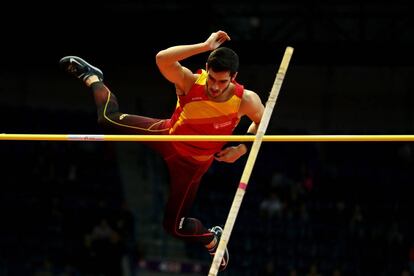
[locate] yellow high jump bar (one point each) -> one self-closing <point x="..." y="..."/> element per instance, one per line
<point x="224" y="138"/>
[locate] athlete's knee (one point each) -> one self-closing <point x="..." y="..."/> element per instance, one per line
<point x="185" y="226"/>
<point x="107" y="120"/>
<point x="102" y="121"/>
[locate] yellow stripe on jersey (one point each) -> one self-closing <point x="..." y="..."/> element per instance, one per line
<point x="209" y="109"/>
<point x="202" y="79"/>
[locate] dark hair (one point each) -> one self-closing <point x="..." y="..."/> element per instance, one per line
<point x="223" y="59"/>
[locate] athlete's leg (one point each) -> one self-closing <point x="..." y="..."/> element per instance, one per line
<point x="185" y="176"/>
<point x="106" y="102"/>
<point x="110" y="117"/>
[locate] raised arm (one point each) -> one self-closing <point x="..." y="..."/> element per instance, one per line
<point x="168" y="60"/>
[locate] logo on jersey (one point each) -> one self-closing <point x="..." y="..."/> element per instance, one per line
<point x="221" y="125"/>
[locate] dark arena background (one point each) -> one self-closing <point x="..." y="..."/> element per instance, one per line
<point x="95" y="208"/>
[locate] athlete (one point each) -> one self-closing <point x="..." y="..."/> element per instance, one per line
<point x="209" y="102"/>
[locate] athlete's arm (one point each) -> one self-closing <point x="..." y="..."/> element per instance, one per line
<point x="252" y="107"/>
<point x="168" y="60"/>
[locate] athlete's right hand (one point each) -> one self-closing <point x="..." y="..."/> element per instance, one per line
<point x="216" y="39"/>
<point x="231" y="154"/>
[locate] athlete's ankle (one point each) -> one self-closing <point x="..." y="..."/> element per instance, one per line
<point x="92" y="79"/>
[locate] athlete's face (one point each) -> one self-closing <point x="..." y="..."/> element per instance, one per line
<point x="217" y="83"/>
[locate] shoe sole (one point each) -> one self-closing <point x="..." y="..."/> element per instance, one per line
<point x="80" y="61"/>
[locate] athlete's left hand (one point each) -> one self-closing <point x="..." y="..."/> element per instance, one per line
<point x="231" y="154"/>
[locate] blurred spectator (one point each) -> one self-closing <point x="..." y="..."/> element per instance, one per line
<point x="356" y="223"/>
<point x="105" y="252"/>
<point x="411" y="258"/>
<point x="313" y="270"/>
<point x="271" y="206"/>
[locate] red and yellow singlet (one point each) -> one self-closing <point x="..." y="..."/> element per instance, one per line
<point x="195" y="114"/>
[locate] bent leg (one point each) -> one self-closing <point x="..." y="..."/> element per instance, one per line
<point x="110" y="117"/>
<point x="185" y="174"/>
<point x="185" y="177"/>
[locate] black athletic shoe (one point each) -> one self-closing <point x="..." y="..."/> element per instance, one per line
<point x="80" y="68"/>
<point x="217" y="230"/>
